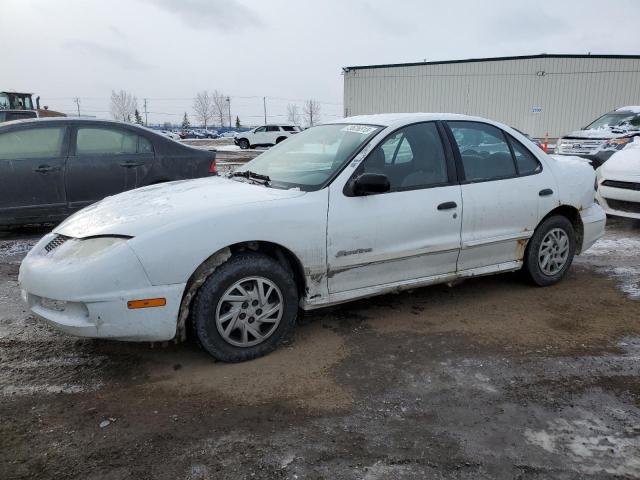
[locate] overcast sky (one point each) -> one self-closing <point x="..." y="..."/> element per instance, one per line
<point x="167" y="50"/>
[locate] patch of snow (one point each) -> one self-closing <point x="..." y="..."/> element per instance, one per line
<point x="12" y="248"/>
<point x="228" y="148"/>
<point x="624" y="246"/>
<point x="630" y="108"/>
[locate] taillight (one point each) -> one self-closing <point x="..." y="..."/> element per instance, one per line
<point x="213" y="168"/>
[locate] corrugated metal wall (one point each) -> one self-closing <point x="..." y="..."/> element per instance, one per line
<point x="571" y="93"/>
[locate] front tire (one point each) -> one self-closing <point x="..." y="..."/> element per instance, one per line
<point x="243" y="143"/>
<point x="550" y="251"/>
<point x="246" y="308"/>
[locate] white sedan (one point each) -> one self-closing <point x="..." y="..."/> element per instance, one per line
<point x="359" y="207"/>
<point x="619" y="182"/>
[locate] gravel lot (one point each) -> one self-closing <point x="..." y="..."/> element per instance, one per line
<point x="491" y="378"/>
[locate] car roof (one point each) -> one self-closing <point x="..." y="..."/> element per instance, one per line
<point x="54" y="120"/>
<point x="399" y="119"/>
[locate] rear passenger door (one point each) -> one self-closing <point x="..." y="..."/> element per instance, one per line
<point x="273" y="132"/>
<point x="505" y="191"/>
<point x="32" y="168"/>
<point x="106" y="160"/>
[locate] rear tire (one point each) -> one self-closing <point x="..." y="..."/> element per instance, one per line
<point x="246" y="308"/>
<point x="243" y="143"/>
<point x="550" y="251"/>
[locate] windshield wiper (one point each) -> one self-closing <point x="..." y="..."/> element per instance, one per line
<point x="248" y="174"/>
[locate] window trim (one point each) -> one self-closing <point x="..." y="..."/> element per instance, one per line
<point x="510" y="140"/>
<point x="452" y="177"/>
<point x="458" y="157"/>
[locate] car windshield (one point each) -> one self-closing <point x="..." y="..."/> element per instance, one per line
<point x="309" y="159"/>
<point x="617" y="119"/>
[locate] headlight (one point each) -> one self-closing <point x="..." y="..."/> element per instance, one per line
<point x="87" y="248"/>
<point x="617" y="143"/>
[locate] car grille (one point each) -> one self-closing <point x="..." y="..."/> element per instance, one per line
<point x="623" y="206"/>
<point x="55" y="243"/>
<point x="579" y="146"/>
<point x="625" y="185"/>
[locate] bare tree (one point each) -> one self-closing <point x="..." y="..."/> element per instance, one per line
<point x="203" y="107"/>
<point x="293" y="114"/>
<point x="123" y="105"/>
<point x="311" y="111"/>
<point x="220" y="106"/>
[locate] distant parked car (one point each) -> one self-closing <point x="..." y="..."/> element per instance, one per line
<point x="170" y="134"/>
<point x="265" y="136"/>
<point x="229" y="134"/>
<point x="618" y="182"/>
<point x="603" y="137"/>
<point x="10" y="115"/>
<point x="209" y="133"/>
<point x="360" y="207"/>
<point x="49" y="168"/>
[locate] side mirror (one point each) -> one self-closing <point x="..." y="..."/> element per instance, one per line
<point x="370" y="183"/>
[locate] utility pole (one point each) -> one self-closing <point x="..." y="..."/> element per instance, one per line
<point x="264" y="105"/>
<point x="146" y="119"/>
<point x="77" y="102"/>
<point x="229" y="105"/>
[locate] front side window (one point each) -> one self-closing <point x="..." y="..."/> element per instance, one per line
<point x="260" y="129"/>
<point x="484" y="151"/>
<point x="309" y="159"/>
<point x="410" y="158"/>
<point x="105" y="141"/>
<point x="32" y="143"/>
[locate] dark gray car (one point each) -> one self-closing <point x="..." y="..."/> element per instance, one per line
<point x="49" y="168"/>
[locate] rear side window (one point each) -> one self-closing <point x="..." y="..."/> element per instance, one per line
<point x="484" y="151"/>
<point x="273" y="128"/>
<point x="527" y="163"/>
<point x="144" y="145"/>
<point x="108" y="141"/>
<point x="289" y="129"/>
<point x="32" y="143"/>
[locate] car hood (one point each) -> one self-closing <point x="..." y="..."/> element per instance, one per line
<point x="138" y="211"/>
<point x="599" y="133"/>
<point x="623" y="164"/>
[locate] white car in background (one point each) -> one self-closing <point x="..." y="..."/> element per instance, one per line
<point x="266" y="135"/>
<point x="351" y="209"/>
<point x="618" y="182"/>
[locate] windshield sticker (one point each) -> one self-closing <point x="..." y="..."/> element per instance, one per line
<point x="358" y="158"/>
<point x="362" y="129"/>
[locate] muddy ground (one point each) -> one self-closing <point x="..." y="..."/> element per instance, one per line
<point x="491" y="378"/>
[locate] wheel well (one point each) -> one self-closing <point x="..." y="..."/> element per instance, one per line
<point x="573" y="215"/>
<point x="280" y="139"/>
<point x="281" y="254"/>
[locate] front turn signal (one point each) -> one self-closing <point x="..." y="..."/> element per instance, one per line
<point x="146" y="303"/>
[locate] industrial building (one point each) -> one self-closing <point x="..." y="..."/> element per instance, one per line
<point x="537" y="94"/>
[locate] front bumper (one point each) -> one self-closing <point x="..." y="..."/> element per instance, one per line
<point x="593" y="222"/>
<point x="610" y="198"/>
<point x="88" y="297"/>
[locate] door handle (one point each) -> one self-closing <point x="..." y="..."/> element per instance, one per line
<point x="131" y="164"/>
<point x="447" y="206"/>
<point x="44" y="169"/>
<point x="546" y="192"/>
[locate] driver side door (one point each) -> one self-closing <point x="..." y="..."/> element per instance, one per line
<point x="409" y="233"/>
